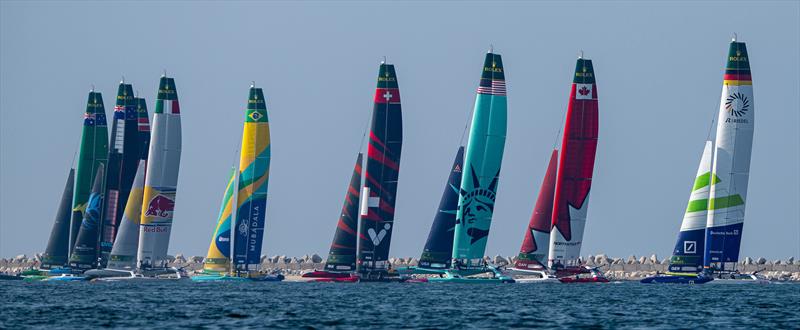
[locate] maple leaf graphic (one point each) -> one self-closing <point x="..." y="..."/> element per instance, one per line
<point x="584" y="91"/>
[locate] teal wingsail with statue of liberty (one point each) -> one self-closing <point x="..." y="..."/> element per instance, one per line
<point x="480" y="176"/>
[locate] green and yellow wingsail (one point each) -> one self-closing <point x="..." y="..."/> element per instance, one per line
<point x="219" y="251"/>
<point x="253" y="180"/>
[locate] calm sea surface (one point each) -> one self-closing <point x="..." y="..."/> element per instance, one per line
<point x="165" y="304"/>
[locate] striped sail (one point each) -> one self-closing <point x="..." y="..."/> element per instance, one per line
<point x="158" y="204"/>
<point x="688" y="253"/>
<point x="383" y="170"/>
<point x="218" y="258"/>
<point x="342" y="255"/>
<point x="575" y="167"/>
<point x="55" y="255"/>
<point x="92" y="154"/>
<point x="84" y="254"/>
<point x="253" y="179"/>
<point x="123" y="160"/>
<point x="483" y="157"/>
<point x="535" y="245"/>
<point x="439" y="246"/>
<point x="143" y="124"/>
<point x="123" y="253"/>
<point x="734" y="143"/>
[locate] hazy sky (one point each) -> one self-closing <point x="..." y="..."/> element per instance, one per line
<point x="659" y="73"/>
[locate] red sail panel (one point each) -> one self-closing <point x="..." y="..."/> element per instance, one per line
<point x="576" y="164"/>
<point x="531" y="254"/>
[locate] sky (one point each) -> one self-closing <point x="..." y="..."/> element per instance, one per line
<point x="658" y="65"/>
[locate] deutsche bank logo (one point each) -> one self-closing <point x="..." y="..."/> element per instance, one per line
<point x="689" y="247"/>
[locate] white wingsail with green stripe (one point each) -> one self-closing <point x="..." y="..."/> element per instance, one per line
<point x="731" y="165"/>
<point x="688" y="253"/>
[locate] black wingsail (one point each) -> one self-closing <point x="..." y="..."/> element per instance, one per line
<point x="342" y="256"/>
<point x="383" y="168"/>
<point x="123" y="161"/>
<point x="439" y="246"/>
<point x="85" y="253"/>
<point x="57" y="250"/>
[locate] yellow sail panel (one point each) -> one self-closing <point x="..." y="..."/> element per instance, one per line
<point x="219" y="251"/>
<point x="253" y="181"/>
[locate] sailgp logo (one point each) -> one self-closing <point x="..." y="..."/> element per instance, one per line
<point x="378" y="237"/>
<point x="690" y="247"/>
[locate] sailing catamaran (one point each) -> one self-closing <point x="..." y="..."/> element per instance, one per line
<point x="55" y="255"/>
<point x="574" y="176"/>
<point x="123" y="159"/>
<point x="380" y="187"/>
<point x="709" y="241"/>
<point x="529" y="265"/>
<point x="438" y="250"/>
<point x="341" y="262"/>
<point x="92" y="154"/>
<point x="84" y="254"/>
<point x="480" y="175"/>
<point x="251" y="201"/>
<point x="161" y="180"/>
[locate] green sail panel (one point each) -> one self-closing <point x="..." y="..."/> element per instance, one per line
<point x="218" y="258"/>
<point x="483" y="157"/>
<point x="92" y="154"/>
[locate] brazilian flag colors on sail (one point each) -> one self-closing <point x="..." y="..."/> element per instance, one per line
<point x="161" y="180"/>
<point x="55" y="255"/>
<point x="575" y="168"/>
<point x="688" y="253"/>
<point x="383" y="169"/>
<point x="535" y="245"/>
<point x="219" y="251"/>
<point x="484" y="155"/>
<point x="342" y="255"/>
<point x="123" y="253"/>
<point x="734" y="144"/>
<point x="439" y="246"/>
<point x="253" y="180"/>
<point x="84" y="254"/>
<point x="92" y="154"/>
<point x="123" y="159"/>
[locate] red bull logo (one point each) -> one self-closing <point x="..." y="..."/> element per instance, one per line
<point x="160" y="206"/>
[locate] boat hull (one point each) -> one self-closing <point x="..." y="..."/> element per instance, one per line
<point x="598" y="279"/>
<point x="676" y="279"/>
<point x="477" y="280"/>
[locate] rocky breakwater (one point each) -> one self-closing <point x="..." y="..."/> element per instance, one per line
<point x="625" y="269"/>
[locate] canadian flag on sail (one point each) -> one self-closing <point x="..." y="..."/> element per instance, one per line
<point x="583" y="91"/>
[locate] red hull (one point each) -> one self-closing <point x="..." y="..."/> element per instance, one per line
<point x="321" y="274"/>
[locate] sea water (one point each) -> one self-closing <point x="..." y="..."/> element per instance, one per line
<point x="173" y="304"/>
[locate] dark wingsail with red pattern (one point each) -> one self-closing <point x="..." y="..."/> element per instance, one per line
<point x="439" y="246"/>
<point x="383" y="168"/>
<point x="342" y="256"/>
